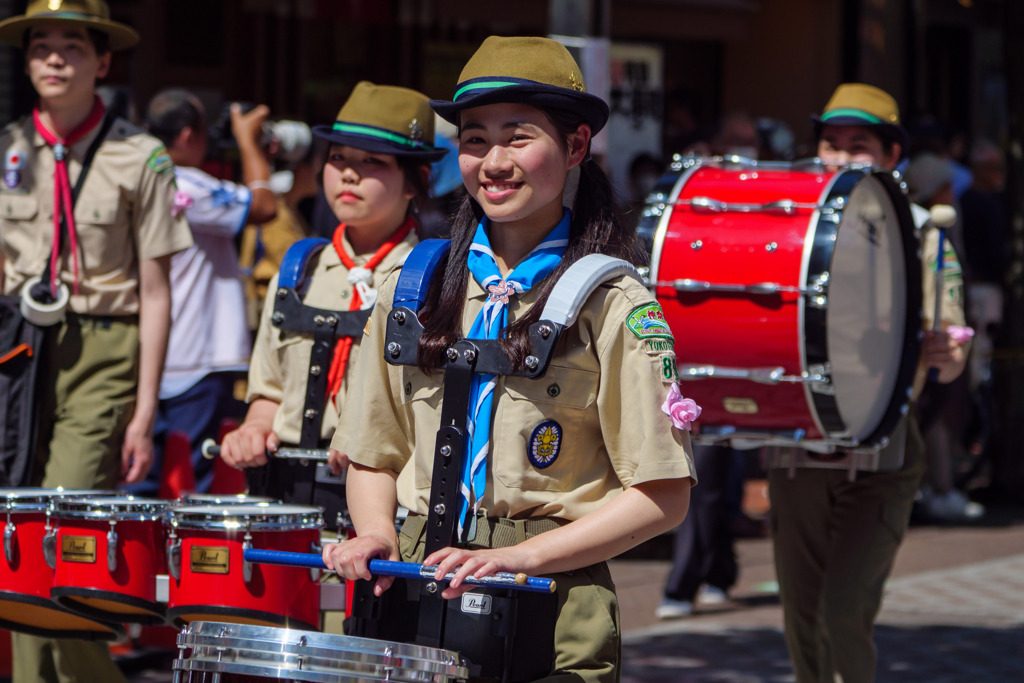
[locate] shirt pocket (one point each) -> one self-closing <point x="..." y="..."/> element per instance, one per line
<point x="537" y="442"/>
<point x="103" y="233"/>
<point x="22" y="239"/>
<point x="421" y="396"/>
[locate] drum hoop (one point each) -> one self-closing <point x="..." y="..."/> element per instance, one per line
<point x="686" y="167"/>
<point x="196" y="499"/>
<point x="824" y="407"/>
<point x="126" y="509"/>
<point x="242" y="517"/>
<point x="40" y="499"/>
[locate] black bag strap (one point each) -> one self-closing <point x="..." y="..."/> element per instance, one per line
<point x="90" y="154"/>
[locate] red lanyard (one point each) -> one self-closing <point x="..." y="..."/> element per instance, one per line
<point x="62" y="202"/>
<point x="344" y="346"/>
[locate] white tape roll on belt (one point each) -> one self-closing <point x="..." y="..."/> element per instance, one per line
<point x="39" y="313"/>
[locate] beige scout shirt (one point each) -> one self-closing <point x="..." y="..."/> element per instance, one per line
<point x="122" y="215"/>
<point x="279" y="368"/>
<point x="952" y="311"/>
<point x="605" y="387"/>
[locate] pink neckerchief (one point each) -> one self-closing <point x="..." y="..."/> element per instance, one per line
<point x="62" y="203"/>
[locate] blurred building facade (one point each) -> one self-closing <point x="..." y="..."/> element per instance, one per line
<point x="771" y="58"/>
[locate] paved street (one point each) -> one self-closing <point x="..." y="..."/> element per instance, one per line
<point x="953" y="613"/>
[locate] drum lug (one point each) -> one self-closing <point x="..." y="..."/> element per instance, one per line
<point x="246" y="565"/>
<point x="9" y="539"/>
<point x="174" y="557"/>
<point x="50" y="548"/>
<point x="112" y="549"/>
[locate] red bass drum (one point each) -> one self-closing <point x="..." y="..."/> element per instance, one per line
<point x="794" y="294"/>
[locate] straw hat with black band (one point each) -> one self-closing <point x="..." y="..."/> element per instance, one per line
<point x="385" y="119"/>
<point x="89" y="14"/>
<point x="858" y="104"/>
<point x="528" y="70"/>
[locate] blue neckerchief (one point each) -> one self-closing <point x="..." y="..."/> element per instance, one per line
<point x="537" y="265"/>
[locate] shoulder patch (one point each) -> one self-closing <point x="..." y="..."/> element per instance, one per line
<point x="648" y="321"/>
<point x="658" y="346"/>
<point x="160" y="161"/>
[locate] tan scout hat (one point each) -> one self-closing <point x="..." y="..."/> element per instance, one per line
<point x="91" y="14"/>
<point x="531" y="70"/>
<point x="858" y="104"/>
<point x="385" y="119"/>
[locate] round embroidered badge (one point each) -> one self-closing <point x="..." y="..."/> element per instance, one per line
<point x="545" y="442"/>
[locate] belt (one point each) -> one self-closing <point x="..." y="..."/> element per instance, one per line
<point x="493" y="532"/>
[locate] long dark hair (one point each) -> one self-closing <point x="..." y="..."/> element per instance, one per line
<point x="595" y="228"/>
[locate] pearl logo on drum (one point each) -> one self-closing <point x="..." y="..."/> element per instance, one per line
<point x="476" y="603"/>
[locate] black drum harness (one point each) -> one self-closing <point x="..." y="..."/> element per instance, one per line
<point x="299" y="481"/>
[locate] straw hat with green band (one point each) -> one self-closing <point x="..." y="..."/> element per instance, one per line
<point x="385" y="119"/>
<point x="89" y="14"/>
<point x="857" y="104"/>
<point x="531" y="70"/>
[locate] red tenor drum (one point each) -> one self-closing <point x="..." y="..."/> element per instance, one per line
<point x="209" y="580"/>
<point x="109" y="551"/>
<point x="27" y="569"/>
<point x="794" y="294"/>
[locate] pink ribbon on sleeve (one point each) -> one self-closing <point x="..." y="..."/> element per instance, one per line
<point x="683" y="411"/>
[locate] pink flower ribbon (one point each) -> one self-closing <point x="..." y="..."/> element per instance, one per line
<point x="182" y="201"/>
<point x="960" y="334"/>
<point x="683" y="411"/>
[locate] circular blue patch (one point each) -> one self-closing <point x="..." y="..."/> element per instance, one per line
<point x="545" y="443"/>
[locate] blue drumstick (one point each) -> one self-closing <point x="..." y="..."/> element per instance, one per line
<point x="404" y="570"/>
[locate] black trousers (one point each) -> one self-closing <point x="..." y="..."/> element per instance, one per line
<point x="703" y="550"/>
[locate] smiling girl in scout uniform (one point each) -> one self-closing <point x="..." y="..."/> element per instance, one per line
<point x="835" y="539"/>
<point x="86" y="213"/>
<point x="309" y="335"/>
<point x="568" y="469"/>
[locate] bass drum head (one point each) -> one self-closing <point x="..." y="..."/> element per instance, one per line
<point x="869" y="302"/>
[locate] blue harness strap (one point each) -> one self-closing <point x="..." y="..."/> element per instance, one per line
<point x="293" y="265"/>
<point x="418" y="271"/>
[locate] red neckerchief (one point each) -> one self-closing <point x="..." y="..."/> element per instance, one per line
<point x="62" y="203"/>
<point x="344" y="345"/>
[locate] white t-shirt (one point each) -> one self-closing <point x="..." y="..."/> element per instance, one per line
<point x="208" y="326"/>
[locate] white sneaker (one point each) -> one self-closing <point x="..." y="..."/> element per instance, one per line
<point x="711" y="595"/>
<point x="952" y="505"/>
<point x="674" y="609"/>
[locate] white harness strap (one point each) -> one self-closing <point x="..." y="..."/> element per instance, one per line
<point x="575" y="286"/>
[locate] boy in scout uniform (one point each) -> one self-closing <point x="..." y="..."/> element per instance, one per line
<point x="86" y="236"/>
<point x="835" y="539"/>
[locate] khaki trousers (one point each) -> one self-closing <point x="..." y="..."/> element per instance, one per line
<point x="835" y="541"/>
<point x="88" y="385"/>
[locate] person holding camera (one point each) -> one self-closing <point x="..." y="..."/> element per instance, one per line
<point x="86" y="237"/>
<point x="209" y="345"/>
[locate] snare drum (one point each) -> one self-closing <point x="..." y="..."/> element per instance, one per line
<point x="27" y="569"/>
<point x="109" y="551"/>
<point x="795" y="297"/>
<point x="209" y="580"/>
<point x="211" y="651"/>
